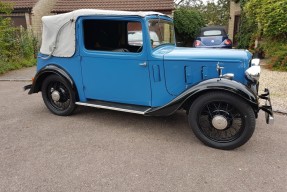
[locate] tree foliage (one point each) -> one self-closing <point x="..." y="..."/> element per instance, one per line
<point x="191" y="15"/>
<point x="216" y="13"/>
<point x="187" y="22"/>
<point x="189" y="3"/>
<point x="5" y="7"/>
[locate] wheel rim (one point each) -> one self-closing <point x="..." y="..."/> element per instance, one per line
<point x="220" y="121"/>
<point x="58" y="95"/>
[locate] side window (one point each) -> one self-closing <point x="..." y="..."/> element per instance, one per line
<point x="113" y="35"/>
<point x="135" y="35"/>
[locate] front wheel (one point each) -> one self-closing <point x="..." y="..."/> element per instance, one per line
<point x="58" y="95"/>
<point x="222" y="120"/>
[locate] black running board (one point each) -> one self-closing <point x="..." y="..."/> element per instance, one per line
<point x="142" y="110"/>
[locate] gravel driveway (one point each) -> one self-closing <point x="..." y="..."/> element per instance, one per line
<point x="277" y="84"/>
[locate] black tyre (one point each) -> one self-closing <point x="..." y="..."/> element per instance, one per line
<point x="221" y="120"/>
<point x="58" y="95"/>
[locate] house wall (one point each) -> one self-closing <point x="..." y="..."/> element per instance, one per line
<point x="235" y="10"/>
<point x="42" y="8"/>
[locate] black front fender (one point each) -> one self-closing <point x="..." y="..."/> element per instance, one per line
<point x="216" y="84"/>
<point x="43" y="73"/>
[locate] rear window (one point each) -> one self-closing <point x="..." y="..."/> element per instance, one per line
<point x="212" y="33"/>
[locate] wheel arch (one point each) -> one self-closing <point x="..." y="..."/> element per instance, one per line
<point x="188" y="102"/>
<point x="186" y="98"/>
<point x="50" y="70"/>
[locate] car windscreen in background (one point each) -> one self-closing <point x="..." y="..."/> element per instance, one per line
<point x="212" y="33"/>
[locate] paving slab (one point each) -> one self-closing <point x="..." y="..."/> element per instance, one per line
<point x="109" y="151"/>
<point x="24" y="74"/>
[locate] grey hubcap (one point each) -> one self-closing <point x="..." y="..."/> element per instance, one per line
<point x="219" y="122"/>
<point x="56" y="96"/>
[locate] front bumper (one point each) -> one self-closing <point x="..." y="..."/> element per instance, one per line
<point x="267" y="108"/>
<point x="27" y="87"/>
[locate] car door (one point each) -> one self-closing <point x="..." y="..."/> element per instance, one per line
<point x="112" y="69"/>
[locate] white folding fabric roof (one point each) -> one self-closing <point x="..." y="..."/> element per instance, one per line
<point x="58" y="37"/>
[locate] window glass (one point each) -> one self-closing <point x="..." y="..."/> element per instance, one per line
<point x="135" y="35"/>
<point x="112" y="35"/>
<point x="161" y="32"/>
<point x="212" y="33"/>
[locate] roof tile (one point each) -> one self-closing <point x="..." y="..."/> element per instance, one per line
<point x="20" y="4"/>
<point x="126" y="5"/>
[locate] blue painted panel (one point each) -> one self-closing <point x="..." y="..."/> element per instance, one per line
<point x="188" y="74"/>
<point x="160" y="96"/>
<point x="205" y="54"/>
<point x="70" y="65"/>
<point x="180" y="75"/>
<point x="116" y="76"/>
<point x="187" y="66"/>
<point x="205" y="72"/>
<point x="156" y="73"/>
<point x="117" y="80"/>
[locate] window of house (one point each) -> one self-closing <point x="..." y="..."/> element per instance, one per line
<point x="113" y="35"/>
<point x="18" y="21"/>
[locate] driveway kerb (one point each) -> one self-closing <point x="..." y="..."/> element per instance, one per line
<point x="20" y="80"/>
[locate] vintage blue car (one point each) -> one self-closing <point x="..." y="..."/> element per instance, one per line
<point x="87" y="59"/>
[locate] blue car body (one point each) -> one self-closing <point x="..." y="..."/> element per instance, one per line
<point x="147" y="78"/>
<point x="170" y="71"/>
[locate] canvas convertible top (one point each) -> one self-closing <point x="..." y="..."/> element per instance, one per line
<point x="58" y="37"/>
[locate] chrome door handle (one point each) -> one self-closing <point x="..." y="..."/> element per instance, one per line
<point x="144" y="64"/>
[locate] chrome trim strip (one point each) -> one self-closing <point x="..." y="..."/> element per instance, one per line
<point x="112" y="108"/>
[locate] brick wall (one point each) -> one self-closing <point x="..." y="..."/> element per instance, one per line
<point x="42" y="8"/>
<point x="234" y="11"/>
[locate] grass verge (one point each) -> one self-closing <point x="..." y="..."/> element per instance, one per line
<point x="12" y="65"/>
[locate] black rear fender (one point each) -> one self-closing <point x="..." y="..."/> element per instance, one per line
<point x="45" y="72"/>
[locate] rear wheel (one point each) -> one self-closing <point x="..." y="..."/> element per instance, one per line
<point x="58" y="95"/>
<point x="222" y="120"/>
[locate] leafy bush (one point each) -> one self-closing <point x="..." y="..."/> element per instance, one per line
<point x="277" y="52"/>
<point x="247" y="32"/>
<point x="270" y="15"/>
<point x="187" y="24"/>
<point x="265" y="20"/>
<point x="18" y="45"/>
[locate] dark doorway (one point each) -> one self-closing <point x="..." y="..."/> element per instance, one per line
<point x="236" y="29"/>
